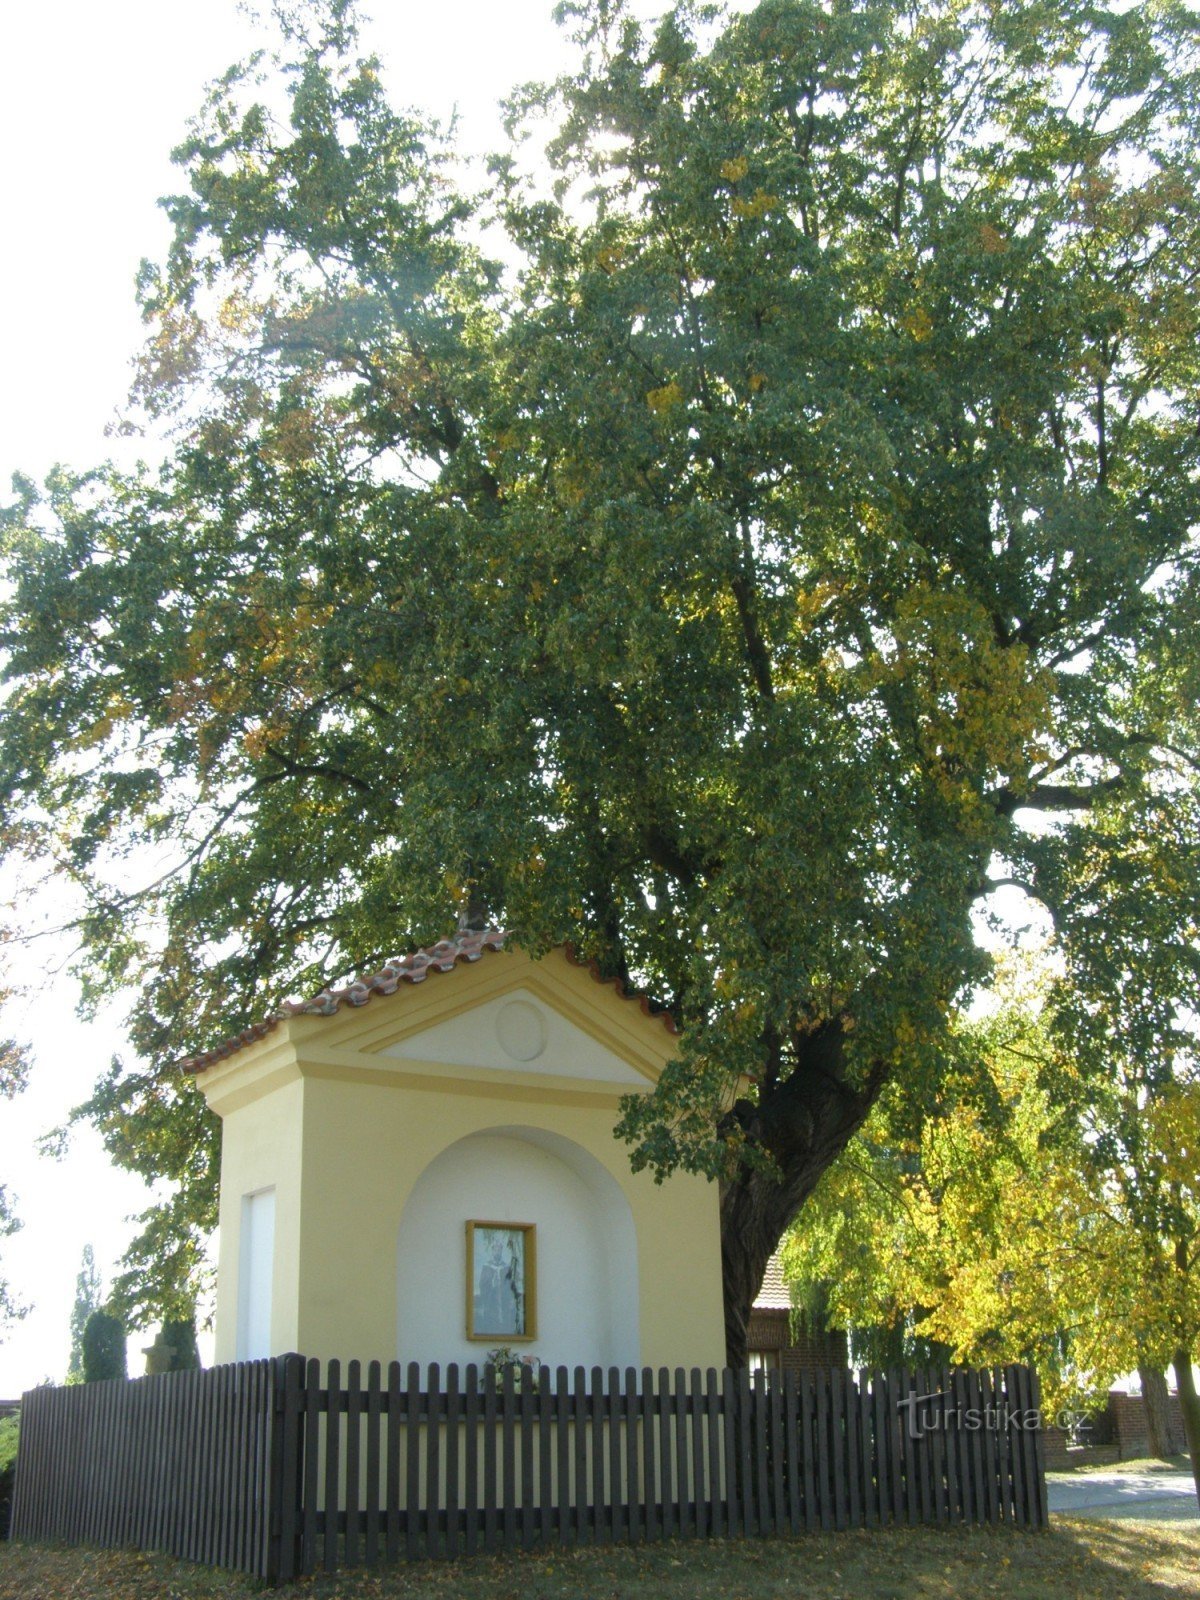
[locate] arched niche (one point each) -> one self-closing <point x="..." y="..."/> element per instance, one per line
<point x="587" y="1294"/>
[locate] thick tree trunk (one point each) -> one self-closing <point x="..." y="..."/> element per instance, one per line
<point x="1162" y="1442"/>
<point x="803" y="1123"/>
<point x="754" y="1213"/>
<point x="1189" y="1404"/>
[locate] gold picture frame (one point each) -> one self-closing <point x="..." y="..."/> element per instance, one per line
<point x="501" y="1282"/>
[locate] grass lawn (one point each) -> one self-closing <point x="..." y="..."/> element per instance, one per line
<point x="1075" y="1561"/>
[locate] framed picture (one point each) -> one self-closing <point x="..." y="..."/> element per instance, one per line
<point x="501" y="1281"/>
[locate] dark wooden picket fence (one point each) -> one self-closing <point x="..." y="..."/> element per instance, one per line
<point x="278" y="1468"/>
<point x="180" y="1462"/>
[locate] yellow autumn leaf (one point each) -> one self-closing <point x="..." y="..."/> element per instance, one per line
<point x="918" y="322"/>
<point x="661" y="400"/>
<point x="758" y="205"/>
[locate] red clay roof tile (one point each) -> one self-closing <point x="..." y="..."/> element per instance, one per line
<point x="773" y="1294"/>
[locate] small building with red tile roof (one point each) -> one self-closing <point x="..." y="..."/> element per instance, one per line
<point x="421" y="1165"/>
<point x="779" y="1340"/>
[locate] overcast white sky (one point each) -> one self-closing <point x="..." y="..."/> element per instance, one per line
<point x="92" y="99"/>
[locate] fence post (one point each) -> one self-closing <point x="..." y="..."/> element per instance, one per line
<point x="287" y="1381"/>
<point x="1037" y="1490"/>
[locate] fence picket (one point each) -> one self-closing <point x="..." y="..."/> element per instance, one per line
<point x="975" y="1449"/>
<point x="746" y="1484"/>
<point x="183" y="1527"/>
<point x="762" y="1490"/>
<point x="471" y="1477"/>
<point x="217" y="1466"/>
<point x="666" y="1474"/>
<point x="712" y="1428"/>
<point x="562" y="1461"/>
<point x="225" y="1546"/>
<point x="311" y="1472"/>
<point x="147" y="1466"/>
<point x="793" y="1452"/>
<point x="881" y="1488"/>
<point x="201" y="1472"/>
<point x="371" y="1491"/>
<point x="1027" y="1424"/>
<point x="1041" y="1518"/>
<point x="960" y="1400"/>
<point x="838" y="1424"/>
<point x="807" y="1411"/>
<point x="866" y="1453"/>
<point x="231" y="1509"/>
<point x="927" y="1430"/>
<point x="778" y="1451"/>
<point x="729" y="1412"/>
<point x="243" y="1455"/>
<point x="412" y="1460"/>
<point x="528" y="1508"/>
<point x="433" y="1441"/>
<point x="1004" y="1445"/>
<point x="453" y="1420"/>
<point x="580" y="1451"/>
<point x="508" y="1444"/>
<point x="631" y="1409"/>
<point x="951" y="1447"/>
<point x="991" y="1468"/>
<point x="701" y="1523"/>
<point x="679" y="1407"/>
<point x="392" y="1515"/>
<point x="823" y="1452"/>
<point x="649" y="1461"/>
<point x="601" y="1532"/>
<point x="613" y="1497"/>
<point x="333" y="1437"/>
<point x="914" y="1463"/>
<point x="545" y="1419"/>
<point x="853" y="1448"/>
<point x="353" y="1455"/>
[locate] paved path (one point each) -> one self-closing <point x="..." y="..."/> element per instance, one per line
<point x="1152" y="1495"/>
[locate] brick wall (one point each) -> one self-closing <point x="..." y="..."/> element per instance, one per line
<point x="1118" y="1433"/>
<point x="771" y="1331"/>
<point x="1129" y="1423"/>
<point x="1060" y="1453"/>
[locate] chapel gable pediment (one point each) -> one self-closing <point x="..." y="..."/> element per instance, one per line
<point x="519" y="1031"/>
<point x="474" y="1003"/>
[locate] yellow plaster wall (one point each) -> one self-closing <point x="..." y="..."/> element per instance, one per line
<point x="344" y="1133"/>
<point x="367" y="1144"/>
<point x="261" y="1145"/>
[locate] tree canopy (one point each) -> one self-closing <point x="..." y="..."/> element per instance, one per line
<point x="733" y="545"/>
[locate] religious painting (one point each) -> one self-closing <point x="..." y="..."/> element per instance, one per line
<point x="500" y="1281"/>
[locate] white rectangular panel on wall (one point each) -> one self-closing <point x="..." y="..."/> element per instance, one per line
<point x="256" y="1266"/>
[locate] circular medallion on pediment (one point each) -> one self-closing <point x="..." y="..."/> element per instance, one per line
<point x="521" y="1030"/>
